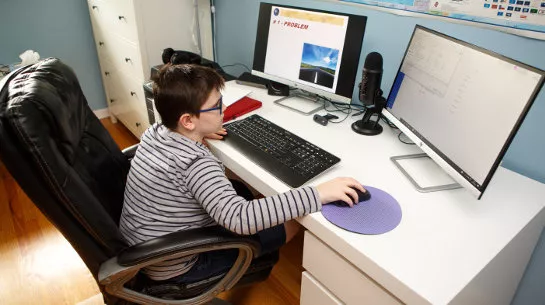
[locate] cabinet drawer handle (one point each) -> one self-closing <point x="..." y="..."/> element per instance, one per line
<point x="138" y="124"/>
<point x="112" y="100"/>
<point x="122" y="17"/>
<point x="127" y="59"/>
<point x="100" y="43"/>
<point x="94" y="7"/>
<point x="133" y="93"/>
<point x="106" y="73"/>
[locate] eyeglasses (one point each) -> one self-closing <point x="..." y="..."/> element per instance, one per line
<point x="219" y="105"/>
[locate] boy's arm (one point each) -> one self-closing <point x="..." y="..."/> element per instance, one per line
<point x="207" y="182"/>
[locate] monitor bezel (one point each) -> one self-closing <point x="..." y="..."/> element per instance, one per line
<point x="350" y="49"/>
<point x="438" y="156"/>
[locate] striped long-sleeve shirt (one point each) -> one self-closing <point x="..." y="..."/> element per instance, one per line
<point x="176" y="183"/>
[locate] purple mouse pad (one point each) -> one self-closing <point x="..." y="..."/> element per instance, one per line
<point x="377" y="215"/>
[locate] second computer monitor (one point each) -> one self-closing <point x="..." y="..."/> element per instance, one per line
<point x="461" y="104"/>
<point x="316" y="51"/>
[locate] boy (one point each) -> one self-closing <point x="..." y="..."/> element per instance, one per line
<point x="175" y="183"/>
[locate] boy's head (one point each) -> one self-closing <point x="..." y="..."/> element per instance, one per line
<point x="182" y="92"/>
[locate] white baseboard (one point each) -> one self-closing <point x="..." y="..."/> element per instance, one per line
<point x="102" y="113"/>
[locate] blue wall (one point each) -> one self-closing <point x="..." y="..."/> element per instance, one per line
<point x="389" y="34"/>
<point x="53" y="28"/>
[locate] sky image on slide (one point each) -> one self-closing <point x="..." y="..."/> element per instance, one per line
<point x="319" y="57"/>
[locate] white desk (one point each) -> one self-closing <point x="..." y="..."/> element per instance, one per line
<point x="449" y="247"/>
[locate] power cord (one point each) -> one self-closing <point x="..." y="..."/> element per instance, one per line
<point x="392" y="125"/>
<point x="339" y="107"/>
<point x="214" y="30"/>
<point x="341" y="120"/>
<point x="359" y="112"/>
<point x="237" y="64"/>
<point x="404" y="142"/>
<point x="347" y="109"/>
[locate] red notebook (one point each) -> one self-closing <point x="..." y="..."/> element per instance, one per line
<point x="240" y="107"/>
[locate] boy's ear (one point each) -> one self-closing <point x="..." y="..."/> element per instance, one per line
<point x="187" y="121"/>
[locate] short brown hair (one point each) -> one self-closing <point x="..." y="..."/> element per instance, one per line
<point x="180" y="89"/>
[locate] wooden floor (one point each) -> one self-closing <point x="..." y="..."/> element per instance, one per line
<point x="38" y="266"/>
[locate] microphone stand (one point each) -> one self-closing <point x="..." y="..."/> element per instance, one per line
<point x="367" y="127"/>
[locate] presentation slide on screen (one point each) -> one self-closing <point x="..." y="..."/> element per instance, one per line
<point x="306" y="47"/>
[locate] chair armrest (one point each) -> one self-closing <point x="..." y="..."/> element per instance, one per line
<point x="130" y="151"/>
<point x="117" y="271"/>
<point x="207" y="238"/>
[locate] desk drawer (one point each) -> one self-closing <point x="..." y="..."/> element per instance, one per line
<point x="312" y="292"/>
<point x="340" y="277"/>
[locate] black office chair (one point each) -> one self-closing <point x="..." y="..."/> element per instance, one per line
<point x="69" y="166"/>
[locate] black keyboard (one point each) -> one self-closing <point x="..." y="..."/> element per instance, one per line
<point x="280" y="152"/>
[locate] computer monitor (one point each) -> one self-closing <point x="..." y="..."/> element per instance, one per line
<point x="312" y="50"/>
<point x="461" y="104"/>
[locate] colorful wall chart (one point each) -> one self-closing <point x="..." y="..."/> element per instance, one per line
<point x="527" y="15"/>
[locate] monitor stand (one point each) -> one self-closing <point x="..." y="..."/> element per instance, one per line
<point x="424" y="173"/>
<point x="302" y="102"/>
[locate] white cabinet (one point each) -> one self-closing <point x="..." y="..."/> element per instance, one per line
<point x="130" y="36"/>
<point x="312" y="292"/>
<point x="345" y="284"/>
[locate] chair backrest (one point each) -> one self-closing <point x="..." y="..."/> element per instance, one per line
<point x="63" y="158"/>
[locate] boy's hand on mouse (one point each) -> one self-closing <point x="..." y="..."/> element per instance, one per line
<point x="339" y="189"/>
<point x="218" y="135"/>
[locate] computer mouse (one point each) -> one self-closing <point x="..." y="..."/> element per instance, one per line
<point x="362" y="196"/>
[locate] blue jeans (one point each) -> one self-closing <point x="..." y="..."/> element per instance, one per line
<point x="210" y="264"/>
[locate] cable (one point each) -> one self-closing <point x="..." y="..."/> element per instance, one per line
<point x="360" y="112"/>
<point x="340" y="121"/>
<point x="392" y="125"/>
<point x="237" y="64"/>
<point x="339" y="107"/>
<point x="364" y="109"/>
<point x="214" y="31"/>
<point x="359" y="106"/>
<point x="346" y="110"/>
<point x="335" y="104"/>
<point x="198" y="25"/>
<point x="399" y="137"/>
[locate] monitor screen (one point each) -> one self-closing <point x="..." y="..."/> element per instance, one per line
<point x="461" y="104"/>
<point x="316" y="51"/>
